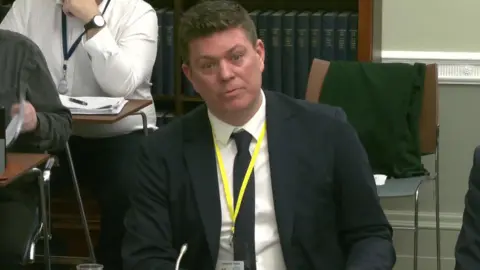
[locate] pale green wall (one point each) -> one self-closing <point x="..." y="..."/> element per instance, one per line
<point x="431" y="25"/>
<point x="438" y="25"/>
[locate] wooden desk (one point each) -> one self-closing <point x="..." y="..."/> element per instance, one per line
<point x="130" y="108"/>
<point x="19" y="164"/>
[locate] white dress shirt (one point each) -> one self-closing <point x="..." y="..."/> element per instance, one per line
<point x="116" y="62"/>
<point x="267" y="242"/>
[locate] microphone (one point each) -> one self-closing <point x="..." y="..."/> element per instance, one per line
<point x="183" y="250"/>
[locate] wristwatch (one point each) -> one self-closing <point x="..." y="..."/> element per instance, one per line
<point x="96" y="22"/>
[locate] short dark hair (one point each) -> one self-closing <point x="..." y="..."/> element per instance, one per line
<point x="212" y="16"/>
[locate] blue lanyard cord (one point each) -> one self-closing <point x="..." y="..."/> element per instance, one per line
<point x="67" y="53"/>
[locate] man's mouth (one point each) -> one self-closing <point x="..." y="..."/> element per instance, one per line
<point x="232" y="90"/>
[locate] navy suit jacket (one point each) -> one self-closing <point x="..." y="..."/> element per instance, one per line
<point x="327" y="209"/>
<point x="467" y="248"/>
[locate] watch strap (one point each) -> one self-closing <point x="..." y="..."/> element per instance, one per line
<point x="91" y="24"/>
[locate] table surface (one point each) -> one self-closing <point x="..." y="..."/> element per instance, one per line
<point x="132" y="106"/>
<point x="19" y="164"/>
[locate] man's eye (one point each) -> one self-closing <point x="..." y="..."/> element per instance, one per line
<point x="207" y="66"/>
<point x="236" y="57"/>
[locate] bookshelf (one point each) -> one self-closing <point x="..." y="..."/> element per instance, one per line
<point x="368" y="48"/>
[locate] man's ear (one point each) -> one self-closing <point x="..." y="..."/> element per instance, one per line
<point x="260" y="50"/>
<point x="187" y="71"/>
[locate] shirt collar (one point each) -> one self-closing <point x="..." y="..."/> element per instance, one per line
<point x="223" y="130"/>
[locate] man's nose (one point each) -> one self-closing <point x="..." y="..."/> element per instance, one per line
<point x="225" y="71"/>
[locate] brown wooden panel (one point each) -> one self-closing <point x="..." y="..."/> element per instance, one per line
<point x="369" y="29"/>
<point x="19" y="164"/>
<point x="429" y="115"/>
<point x="66" y="222"/>
<point x="365" y="30"/>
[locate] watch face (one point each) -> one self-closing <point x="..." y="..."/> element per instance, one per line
<point x="99" y="21"/>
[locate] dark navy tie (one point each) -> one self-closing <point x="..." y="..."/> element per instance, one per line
<point x="244" y="238"/>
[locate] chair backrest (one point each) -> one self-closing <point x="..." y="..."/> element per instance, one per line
<point x="429" y="113"/>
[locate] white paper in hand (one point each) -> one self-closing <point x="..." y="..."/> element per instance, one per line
<point x="14" y="128"/>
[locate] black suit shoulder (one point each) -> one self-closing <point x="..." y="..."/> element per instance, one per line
<point x="309" y="110"/>
<point x="165" y="137"/>
<point x="169" y="138"/>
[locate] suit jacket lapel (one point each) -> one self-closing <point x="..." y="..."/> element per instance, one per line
<point x="281" y="140"/>
<point x="201" y="164"/>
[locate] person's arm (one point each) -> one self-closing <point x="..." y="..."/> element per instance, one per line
<point x="54" y="121"/>
<point x="467" y="249"/>
<point x="16" y="18"/>
<point x="364" y="230"/>
<point x="148" y="237"/>
<point x="120" y="67"/>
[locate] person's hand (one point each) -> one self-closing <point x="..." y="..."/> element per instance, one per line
<point x="30" y="121"/>
<point x="85" y="10"/>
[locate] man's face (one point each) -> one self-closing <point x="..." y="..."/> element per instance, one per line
<point x="226" y="70"/>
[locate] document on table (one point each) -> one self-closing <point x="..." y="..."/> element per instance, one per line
<point x="93" y="105"/>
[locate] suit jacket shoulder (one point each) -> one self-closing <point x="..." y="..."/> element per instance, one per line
<point x="175" y="132"/>
<point x="169" y="138"/>
<point x="306" y="109"/>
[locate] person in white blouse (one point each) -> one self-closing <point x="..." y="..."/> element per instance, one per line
<point x="97" y="48"/>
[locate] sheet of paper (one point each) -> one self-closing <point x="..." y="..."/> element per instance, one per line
<point x="94" y="105"/>
<point x="14" y="128"/>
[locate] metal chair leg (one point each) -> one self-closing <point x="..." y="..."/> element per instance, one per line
<point x="437" y="201"/>
<point x="46" y="179"/>
<point x="45" y="229"/>
<point x="415" y="232"/>
<point x="144" y="122"/>
<point x="91" y="251"/>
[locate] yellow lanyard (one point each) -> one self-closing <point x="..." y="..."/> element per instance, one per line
<point x="226" y="188"/>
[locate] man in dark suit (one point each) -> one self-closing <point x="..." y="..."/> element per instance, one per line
<point x="254" y="179"/>
<point x="467" y="249"/>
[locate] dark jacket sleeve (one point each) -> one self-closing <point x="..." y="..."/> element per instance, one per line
<point x="365" y="232"/>
<point x="148" y="238"/>
<point x="467" y="249"/>
<point x="54" y="120"/>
